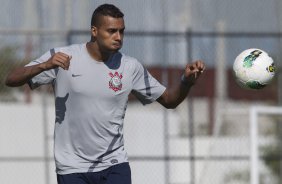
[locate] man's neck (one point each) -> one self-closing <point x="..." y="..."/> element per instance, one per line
<point x="95" y="52"/>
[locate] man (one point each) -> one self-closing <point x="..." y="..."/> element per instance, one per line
<point x="92" y="82"/>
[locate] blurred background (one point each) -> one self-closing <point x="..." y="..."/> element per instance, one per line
<point x="216" y="136"/>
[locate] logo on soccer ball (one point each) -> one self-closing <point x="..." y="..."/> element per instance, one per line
<point x="115" y="82"/>
<point x="271" y="68"/>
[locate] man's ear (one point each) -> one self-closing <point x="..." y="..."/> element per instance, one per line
<point x="94" y="31"/>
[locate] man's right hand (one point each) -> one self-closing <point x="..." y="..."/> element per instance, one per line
<point x="59" y="59"/>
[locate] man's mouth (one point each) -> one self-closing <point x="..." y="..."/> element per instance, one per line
<point x="117" y="44"/>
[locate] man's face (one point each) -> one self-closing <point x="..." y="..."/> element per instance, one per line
<point x="109" y="34"/>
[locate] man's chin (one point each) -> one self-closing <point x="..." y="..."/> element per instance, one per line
<point x="112" y="50"/>
<point x="115" y="49"/>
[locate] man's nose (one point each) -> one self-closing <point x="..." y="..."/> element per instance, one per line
<point x="119" y="35"/>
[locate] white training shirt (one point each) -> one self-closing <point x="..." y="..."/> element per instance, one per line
<point x="91" y="100"/>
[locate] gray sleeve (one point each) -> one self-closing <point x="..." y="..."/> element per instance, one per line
<point x="45" y="77"/>
<point x="145" y="87"/>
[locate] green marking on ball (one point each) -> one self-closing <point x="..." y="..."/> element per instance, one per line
<point x="254" y="85"/>
<point x="248" y="61"/>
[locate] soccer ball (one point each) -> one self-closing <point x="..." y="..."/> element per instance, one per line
<point x="253" y="69"/>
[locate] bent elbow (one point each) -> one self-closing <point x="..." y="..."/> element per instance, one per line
<point x="10" y="82"/>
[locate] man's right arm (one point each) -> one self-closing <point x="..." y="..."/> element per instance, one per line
<point x="22" y="75"/>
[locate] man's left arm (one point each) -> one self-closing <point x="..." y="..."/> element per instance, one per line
<point x="171" y="98"/>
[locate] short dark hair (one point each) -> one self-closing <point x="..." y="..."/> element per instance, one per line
<point x="105" y="10"/>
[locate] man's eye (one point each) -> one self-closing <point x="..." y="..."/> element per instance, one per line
<point x="112" y="31"/>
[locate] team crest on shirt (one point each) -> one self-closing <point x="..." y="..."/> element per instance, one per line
<point x="115" y="81"/>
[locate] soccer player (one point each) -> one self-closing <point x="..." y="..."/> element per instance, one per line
<point x="91" y="83"/>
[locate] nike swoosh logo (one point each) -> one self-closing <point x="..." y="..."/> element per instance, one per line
<point x="74" y="75"/>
